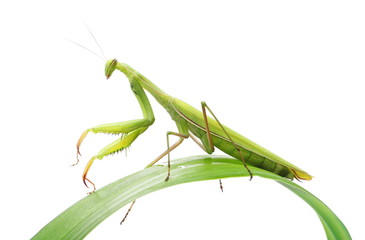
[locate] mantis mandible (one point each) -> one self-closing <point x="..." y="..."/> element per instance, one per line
<point x="207" y="132"/>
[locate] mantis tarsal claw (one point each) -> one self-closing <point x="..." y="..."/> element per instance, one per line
<point x="94" y="188"/>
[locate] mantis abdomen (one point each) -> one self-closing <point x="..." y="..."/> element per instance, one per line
<point x="250" y="157"/>
<point x="252" y="153"/>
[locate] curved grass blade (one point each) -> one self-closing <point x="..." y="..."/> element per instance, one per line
<point x="82" y="217"/>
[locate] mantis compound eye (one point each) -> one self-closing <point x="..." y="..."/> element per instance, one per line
<point x="110" y="67"/>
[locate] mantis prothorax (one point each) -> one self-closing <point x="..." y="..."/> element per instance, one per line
<point x="207" y="132"/>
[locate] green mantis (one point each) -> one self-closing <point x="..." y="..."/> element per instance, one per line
<point x="207" y="132"/>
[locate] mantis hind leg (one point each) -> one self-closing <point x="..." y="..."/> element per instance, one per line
<point x="210" y="140"/>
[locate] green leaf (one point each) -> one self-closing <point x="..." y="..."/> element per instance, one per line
<point x="82" y="217"/>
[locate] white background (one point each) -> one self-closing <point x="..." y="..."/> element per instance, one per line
<point x="287" y="74"/>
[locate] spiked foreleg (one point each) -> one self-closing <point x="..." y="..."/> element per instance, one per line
<point x="116" y="146"/>
<point x="113" y="128"/>
<point x="130" y="130"/>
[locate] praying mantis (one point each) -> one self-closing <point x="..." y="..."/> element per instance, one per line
<point x="207" y="132"/>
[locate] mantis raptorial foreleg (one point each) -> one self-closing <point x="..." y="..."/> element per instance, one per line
<point x="123" y="128"/>
<point x="118" y="145"/>
<point x="130" y="130"/>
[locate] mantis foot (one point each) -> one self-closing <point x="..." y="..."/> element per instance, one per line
<point x="167" y="178"/>
<point x="94" y="188"/>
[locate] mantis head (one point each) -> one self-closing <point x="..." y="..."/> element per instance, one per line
<point x="110" y="67"/>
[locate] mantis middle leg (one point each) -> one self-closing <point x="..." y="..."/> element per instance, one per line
<point x="182" y="135"/>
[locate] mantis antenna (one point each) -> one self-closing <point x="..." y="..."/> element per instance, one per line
<point x="92" y="35"/>
<point x="87" y="49"/>
<point x="78" y="44"/>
